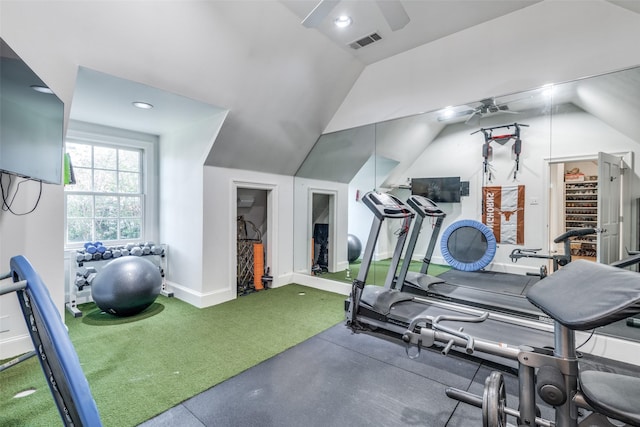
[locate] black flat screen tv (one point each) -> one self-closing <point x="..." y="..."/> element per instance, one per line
<point x="31" y="122"/>
<point x="439" y="190"/>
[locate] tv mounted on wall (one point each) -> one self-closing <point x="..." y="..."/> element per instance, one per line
<point x="439" y="190"/>
<point x="31" y="122"/>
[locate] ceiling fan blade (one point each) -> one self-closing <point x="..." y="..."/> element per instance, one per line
<point x="319" y="13"/>
<point x="474" y="119"/>
<point x="394" y="13"/>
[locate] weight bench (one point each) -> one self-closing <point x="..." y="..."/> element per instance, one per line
<point x="53" y="346"/>
<point x="578" y="304"/>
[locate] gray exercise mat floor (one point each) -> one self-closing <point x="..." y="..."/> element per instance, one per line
<point x="339" y="378"/>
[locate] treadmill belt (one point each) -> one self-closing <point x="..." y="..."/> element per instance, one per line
<point x="492" y="301"/>
<point x="490" y="280"/>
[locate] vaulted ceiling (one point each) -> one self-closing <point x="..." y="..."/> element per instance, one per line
<point x="280" y="81"/>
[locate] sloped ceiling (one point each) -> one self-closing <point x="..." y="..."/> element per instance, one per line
<point x="107" y="100"/>
<point x="612" y="98"/>
<point x="429" y="21"/>
<point x="281" y="82"/>
<point x="262" y="138"/>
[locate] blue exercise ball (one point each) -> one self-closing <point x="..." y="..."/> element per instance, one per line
<point x="354" y="248"/>
<point x="126" y="286"/>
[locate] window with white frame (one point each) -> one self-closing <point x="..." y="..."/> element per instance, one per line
<point x="106" y="203"/>
<point x="113" y="199"/>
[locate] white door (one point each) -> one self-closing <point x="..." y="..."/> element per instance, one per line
<point x="608" y="208"/>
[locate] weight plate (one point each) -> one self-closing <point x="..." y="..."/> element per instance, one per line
<point x="494" y="400"/>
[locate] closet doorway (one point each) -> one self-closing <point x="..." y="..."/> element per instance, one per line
<point x="587" y="192"/>
<point x="252" y="221"/>
<point x="322" y="232"/>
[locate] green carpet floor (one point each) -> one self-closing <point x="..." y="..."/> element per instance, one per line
<point x="378" y="271"/>
<point x="140" y="366"/>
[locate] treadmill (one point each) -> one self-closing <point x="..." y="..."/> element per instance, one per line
<point x="394" y="310"/>
<point x="432" y="286"/>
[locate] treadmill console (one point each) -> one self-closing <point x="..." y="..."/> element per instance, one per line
<point x="385" y="205"/>
<point x="424" y="206"/>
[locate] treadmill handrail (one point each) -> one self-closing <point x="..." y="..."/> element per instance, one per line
<point x="428" y="208"/>
<point x="384" y="205"/>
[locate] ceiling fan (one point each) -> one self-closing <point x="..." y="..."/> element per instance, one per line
<point x="487" y="106"/>
<point x="393" y="12"/>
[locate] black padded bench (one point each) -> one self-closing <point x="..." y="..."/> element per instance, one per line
<point x="585" y="295"/>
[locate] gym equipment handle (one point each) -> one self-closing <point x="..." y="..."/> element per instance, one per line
<point x="575" y="233"/>
<point x="17" y="286"/>
<point x="458" y="333"/>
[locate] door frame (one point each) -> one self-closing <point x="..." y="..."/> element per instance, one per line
<point x="627" y="211"/>
<point x="333" y="197"/>
<point x="272" y="226"/>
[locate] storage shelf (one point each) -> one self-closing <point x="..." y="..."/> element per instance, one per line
<point x="581" y="211"/>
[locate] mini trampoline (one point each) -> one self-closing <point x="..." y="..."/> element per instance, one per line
<point x="468" y="245"/>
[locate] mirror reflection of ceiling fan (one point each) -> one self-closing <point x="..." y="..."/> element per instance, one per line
<point x="393" y="12"/>
<point x="487" y="106"/>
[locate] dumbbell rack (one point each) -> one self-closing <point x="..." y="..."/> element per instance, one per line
<point x="79" y="291"/>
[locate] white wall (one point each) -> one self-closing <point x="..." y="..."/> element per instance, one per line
<point x="219" y="233"/>
<point x="455" y="152"/>
<point x="37" y="236"/>
<point x="182" y="156"/>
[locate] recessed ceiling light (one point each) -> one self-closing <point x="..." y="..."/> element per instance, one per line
<point x="142" y="105"/>
<point x="343" y="21"/>
<point x="42" y="89"/>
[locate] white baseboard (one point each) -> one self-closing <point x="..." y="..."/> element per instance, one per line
<point x="15" y="346"/>
<point x="201" y="299"/>
<point x="208" y="299"/>
<point x="322" y="283"/>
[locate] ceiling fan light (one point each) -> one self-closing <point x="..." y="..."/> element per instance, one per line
<point x="343" y="21"/>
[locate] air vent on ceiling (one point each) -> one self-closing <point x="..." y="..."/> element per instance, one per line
<point x="365" y="41"/>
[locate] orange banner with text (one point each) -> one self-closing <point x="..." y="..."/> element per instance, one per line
<point x="503" y="212"/>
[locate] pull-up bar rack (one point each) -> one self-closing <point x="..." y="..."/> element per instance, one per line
<point x="501" y="139"/>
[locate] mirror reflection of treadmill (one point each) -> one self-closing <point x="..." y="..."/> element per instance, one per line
<point x="421" y="283"/>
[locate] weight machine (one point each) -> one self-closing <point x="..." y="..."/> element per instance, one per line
<point x="581" y="296"/>
<point x="559" y="260"/>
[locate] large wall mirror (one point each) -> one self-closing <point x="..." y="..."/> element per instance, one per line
<point x="573" y="166"/>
